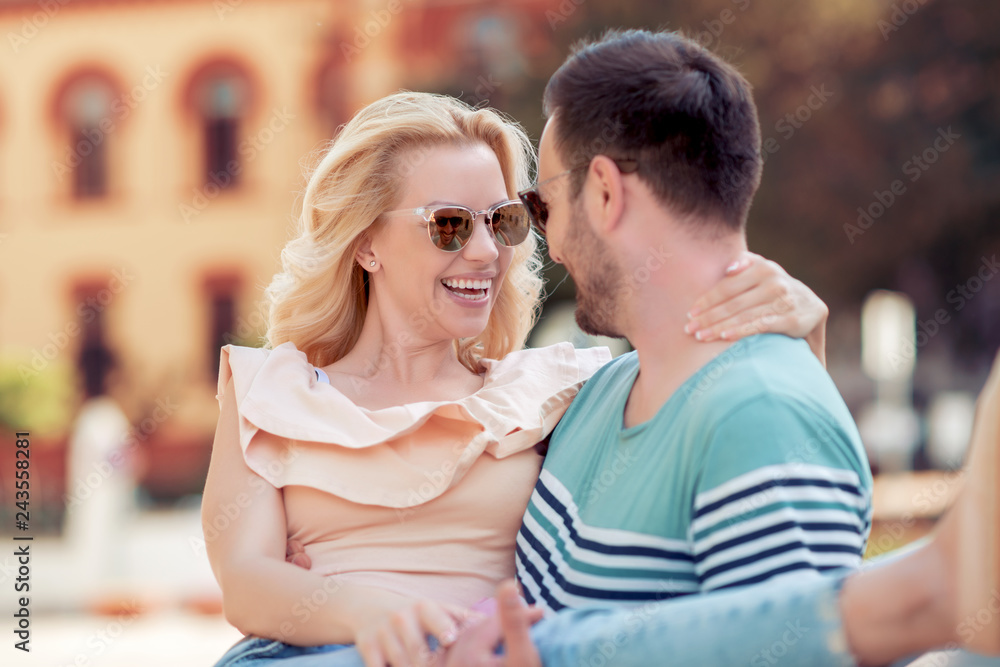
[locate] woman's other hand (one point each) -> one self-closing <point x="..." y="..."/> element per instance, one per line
<point x="399" y="639"/>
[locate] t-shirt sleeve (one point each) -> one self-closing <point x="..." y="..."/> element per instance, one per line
<point x="782" y="488"/>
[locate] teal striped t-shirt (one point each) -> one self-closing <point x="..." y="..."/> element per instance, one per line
<point x="753" y="469"/>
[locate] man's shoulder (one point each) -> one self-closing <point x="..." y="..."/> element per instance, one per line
<point x="773" y="384"/>
<point x="768" y="366"/>
<point x="776" y="405"/>
<point x="608" y="386"/>
<point x="613" y="377"/>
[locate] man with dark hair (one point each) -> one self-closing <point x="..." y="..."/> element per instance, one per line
<point x="686" y="467"/>
<point x="677" y="109"/>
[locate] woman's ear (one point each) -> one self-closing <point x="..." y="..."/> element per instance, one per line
<point x="365" y="255"/>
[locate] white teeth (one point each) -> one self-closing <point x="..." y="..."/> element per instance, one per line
<point x="468" y="284"/>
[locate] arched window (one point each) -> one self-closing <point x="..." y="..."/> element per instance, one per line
<point x="221" y="98"/>
<point x="332" y="97"/>
<point x="85" y="108"/>
<point x="95" y="358"/>
<point x="221" y="296"/>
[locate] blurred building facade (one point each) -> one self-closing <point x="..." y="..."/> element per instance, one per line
<point x="151" y="153"/>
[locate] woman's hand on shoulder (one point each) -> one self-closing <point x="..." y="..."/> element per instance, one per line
<point x="758" y="296"/>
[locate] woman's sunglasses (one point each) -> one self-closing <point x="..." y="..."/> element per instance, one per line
<point x="539" y="210"/>
<point x="450" y="227"/>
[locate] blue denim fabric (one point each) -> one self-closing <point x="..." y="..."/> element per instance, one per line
<point x="260" y="652"/>
<point x="794" y="621"/>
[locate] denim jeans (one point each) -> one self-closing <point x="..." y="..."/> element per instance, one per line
<point x="257" y="651"/>
<point x="794" y="621"/>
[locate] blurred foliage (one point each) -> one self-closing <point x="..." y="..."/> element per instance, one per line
<point x="42" y="402"/>
<point x="895" y="74"/>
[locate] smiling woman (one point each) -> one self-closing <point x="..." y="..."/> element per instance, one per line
<point x="403" y="137"/>
<point x="389" y="429"/>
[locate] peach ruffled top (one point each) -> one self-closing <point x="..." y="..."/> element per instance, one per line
<point x="423" y="499"/>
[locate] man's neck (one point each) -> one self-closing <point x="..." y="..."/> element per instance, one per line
<point x="667" y="355"/>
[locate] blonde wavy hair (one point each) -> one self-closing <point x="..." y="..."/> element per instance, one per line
<point x="319" y="299"/>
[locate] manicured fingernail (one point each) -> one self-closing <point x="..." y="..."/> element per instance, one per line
<point x="724" y="335"/>
<point x="693" y="312"/>
<point x="732" y="267"/>
<point x="448" y="638"/>
<point x="699" y="335"/>
<point x="687" y="328"/>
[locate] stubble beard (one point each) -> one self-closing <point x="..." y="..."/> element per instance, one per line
<point x="599" y="281"/>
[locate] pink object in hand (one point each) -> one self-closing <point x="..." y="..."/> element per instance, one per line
<point x="487" y="606"/>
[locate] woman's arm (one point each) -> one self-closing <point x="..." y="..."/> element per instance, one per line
<point x="758" y="296"/>
<point x="262" y="594"/>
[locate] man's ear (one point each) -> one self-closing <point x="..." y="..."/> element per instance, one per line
<point x="604" y="194"/>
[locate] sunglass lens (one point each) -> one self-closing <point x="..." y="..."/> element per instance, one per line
<point x="536" y="208"/>
<point x="510" y="224"/>
<point x="450" y="228"/>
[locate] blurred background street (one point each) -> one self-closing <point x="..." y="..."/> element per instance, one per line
<point x="151" y="158"/>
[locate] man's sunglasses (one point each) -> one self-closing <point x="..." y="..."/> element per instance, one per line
<point x="539" y="210"/>
<point x="450" y="227"/>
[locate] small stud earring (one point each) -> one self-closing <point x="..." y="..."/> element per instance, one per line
<point x="372" y="263"/>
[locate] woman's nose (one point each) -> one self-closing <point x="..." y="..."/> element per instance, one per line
<point x="482" y="246"/>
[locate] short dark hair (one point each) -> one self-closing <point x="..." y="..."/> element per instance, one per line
<point x="683" y="112"/>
